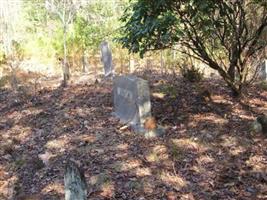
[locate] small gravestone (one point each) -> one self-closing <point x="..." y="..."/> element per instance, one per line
<point x="131" y="98"/>
<point x="106" y="58"/>
<point x="263" y="71"/>
<point x="74" y="181"/>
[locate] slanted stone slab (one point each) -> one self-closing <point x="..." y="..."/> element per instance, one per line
<point x="106" y="58"/>
<point x="263" y="71"/>
<point x="74" y="181"/>
<point x="132" y="101"/>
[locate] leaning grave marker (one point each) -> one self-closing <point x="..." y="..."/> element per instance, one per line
<point x="131" y="98"/>
<point x="263" y="70"/>
<point x="106" y="58"/>
<point x="75" y="185"/>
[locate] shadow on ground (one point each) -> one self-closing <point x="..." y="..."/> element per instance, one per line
<point x="208" y="151"/>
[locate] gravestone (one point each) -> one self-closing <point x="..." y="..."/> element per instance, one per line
<point x="131" y="98"/>
<point x="74" y="182"/>
<point x="106" y="58"/>
<point x="263" y="71"/>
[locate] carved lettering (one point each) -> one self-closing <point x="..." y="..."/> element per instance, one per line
<point x="125" y="93"/>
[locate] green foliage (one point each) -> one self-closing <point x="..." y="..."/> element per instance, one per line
<point x="18" y="50"/>
<point x="57" y="43"/>
<point x="263" y="85"/>
<point x="192" y="73"/>
<point x="86" y="33"/>
<point x="4" y="80"/>
<point x="3" y="58"/>
<point x="255" y="127"/>
<point x="19" y="163"/>
<point x="177" y="153"/>
<point x="149" y="25"/>
<point x="222" y="34"/>
<point x="170" y="90"/>
<point x="35" y="15"/>
<point x="38" y="37"/>
<point x="96" y="22"/>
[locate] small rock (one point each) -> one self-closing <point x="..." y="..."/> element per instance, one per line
<point x="37" y="163"/>
<point x="250" y="190"/>
<point x="255" y="127"/>
<point x="158" y="132"/>
<point x="262" y="120"/>
<point x="171" y="196"/>
<point x="45" y="157"/>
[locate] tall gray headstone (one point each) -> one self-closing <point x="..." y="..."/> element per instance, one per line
<point x="263" y="70"/>
<point x="106" y="58"/>
<point x="132" y="101"/>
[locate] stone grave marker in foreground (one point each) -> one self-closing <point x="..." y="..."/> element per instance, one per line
<point x="131" y="98"/>
<point x="263" y="71"/>
<point x="74" y="181"/>
<point x="106" y="58"/>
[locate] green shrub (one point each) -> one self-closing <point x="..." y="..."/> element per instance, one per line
<point x="169" y="89"/>
<point x="263" y="85"/>
<point x="192" y="74"/>
<point x="4" y="81"/>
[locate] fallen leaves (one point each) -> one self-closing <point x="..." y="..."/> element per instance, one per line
<point x="206" y="153"/>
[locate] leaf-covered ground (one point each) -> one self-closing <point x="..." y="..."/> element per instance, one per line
<point x="208" y="151"/>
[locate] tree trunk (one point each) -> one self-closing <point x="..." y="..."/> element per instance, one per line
<point x="131" y="64"/>
<point x="85" y="62"/>
<point x="231" y="72"/>
<point x="66" y="70"/>
<point x="161" y="62"/>
<point x="230" y="78"/>
<point x="13" y="80"/>
<point x="235" y="79"/>
<point x="236" y="91"/>
<point x="236" y="88"/>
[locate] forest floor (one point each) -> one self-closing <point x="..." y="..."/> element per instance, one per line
<point x="208" y="151"/>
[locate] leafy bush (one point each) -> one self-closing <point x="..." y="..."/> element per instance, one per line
<point x="170" y="90"/>
<point x="3" y="58"/>
<point x="192" y="73"/>
<point x="4" y="81"/>
<point x="263" y="85"/>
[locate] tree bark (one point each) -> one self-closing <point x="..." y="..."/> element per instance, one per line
<point x="231" y="72"/>
<point x="66" y="71"/>
<point x="84" y="62"/>
<point x="161" y="62"/>
<point x="131" y="64"/>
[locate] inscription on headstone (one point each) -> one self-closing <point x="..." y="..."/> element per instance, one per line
<point x="132" y="101"/>
<point x="125" y="93"/>
<point x="106" y="58"/>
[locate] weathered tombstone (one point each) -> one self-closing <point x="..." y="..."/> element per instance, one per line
<point x="263" y="70"/>
<point x="131" y="100"/>
<point x="132" y="105"/>
<point x="75" y="184"/>
<point x="106" y="58"/>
